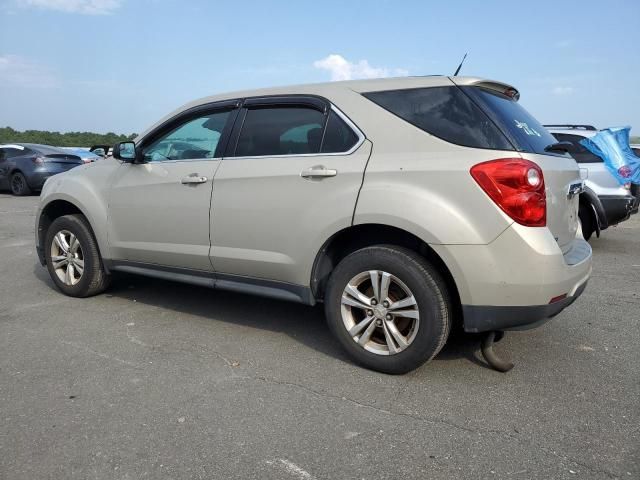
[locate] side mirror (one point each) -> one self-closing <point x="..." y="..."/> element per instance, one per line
<point x="125" y="151"/>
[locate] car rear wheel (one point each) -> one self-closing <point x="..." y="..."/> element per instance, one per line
<point x="389" y="308"/>
<point x="73" y="259"/>
<point x="19" y="185"/>
<point x="586" y="221"/>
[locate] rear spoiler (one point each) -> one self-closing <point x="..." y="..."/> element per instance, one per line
<point x="503" y="88"/>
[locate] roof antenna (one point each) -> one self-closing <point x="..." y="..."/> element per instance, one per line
<point x="460" y="66"/>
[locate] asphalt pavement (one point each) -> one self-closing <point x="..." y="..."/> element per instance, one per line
<point x="156" y="380"/>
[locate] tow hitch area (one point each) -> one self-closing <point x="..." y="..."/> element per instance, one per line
<point x="490" y="356"/>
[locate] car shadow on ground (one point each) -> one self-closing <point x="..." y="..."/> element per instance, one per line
<point x="300" y="322"/>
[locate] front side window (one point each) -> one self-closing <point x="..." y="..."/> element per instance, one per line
<point x="581" y="154"/>
<point x="269" y="131"/>
<point x="445" y="112"/>
<point x="196" y="138"/>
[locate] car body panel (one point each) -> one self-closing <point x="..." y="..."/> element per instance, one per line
<point x="268" y="222"/>
<point x="87" y="188"/>
<point x="155" y="218"/>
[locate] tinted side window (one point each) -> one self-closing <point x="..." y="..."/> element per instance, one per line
<point x="196" y="138"/>
<point x="581" y="155"/>
<point x="338" y="136"/>
<point x="13" y="152"/>
<point x="280" y="131"/>
<point x="445" y="112"/>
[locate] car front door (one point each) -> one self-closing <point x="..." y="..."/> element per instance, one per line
<point x="289" y="180"/>
<point x="159" y="208"/>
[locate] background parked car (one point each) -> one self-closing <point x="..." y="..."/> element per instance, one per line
<point x="604" y="202"/>
<point x="86" y="155"/>
<point x="101" y="150"/>
<point x="24" y="167"/>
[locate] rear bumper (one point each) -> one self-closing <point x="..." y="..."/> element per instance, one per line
<point x="38" y="176"/>
<point x="483" y="318"/>
<point x="618" y="208"/>
<point x="510" y="283"/>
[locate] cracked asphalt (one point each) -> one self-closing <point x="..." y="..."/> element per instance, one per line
<point x="162" y="380"/>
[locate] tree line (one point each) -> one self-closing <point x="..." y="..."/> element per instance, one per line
<point x="67" y="139"/>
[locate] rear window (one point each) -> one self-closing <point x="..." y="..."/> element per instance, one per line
<point x="524" y="131"/>
<point x="445" y="112"/>
<point x="581" y="154"/>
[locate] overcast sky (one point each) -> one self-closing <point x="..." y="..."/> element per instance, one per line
<point x="119" y="65"/>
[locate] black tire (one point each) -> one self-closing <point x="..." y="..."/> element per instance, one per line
<point x="587" y="221"/>
<point x="19" y="185"/>
<point x="426" y="285"/>
<point x="94" y="279"/>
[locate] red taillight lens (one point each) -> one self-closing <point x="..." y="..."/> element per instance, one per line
<point x="516" y="186"/>
<point x="38" y="160"/>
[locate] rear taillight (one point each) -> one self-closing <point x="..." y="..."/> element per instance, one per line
<point x="516" y="186"/>
<point x="38" y="160"/>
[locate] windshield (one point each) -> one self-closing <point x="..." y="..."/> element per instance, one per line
<point x="519" y="125"/>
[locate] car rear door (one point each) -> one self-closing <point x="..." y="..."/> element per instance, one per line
<point x="159" y="209"/>
<point x="290" y="179"/>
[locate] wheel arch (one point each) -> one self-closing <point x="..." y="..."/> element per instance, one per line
<point x="590" y="199"/>
<point x="57" y="208"/>
<point x="355" y="237"/>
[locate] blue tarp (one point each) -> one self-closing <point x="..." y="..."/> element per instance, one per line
<point x="612" y="145"/>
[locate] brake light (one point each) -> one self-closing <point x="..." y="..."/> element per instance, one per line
<point x="516" y="186"/>
<point x="38" y="160"/>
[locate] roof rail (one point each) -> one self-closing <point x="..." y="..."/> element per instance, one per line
<point x="576" y="127"/>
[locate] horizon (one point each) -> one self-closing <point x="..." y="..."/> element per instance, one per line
<point x="119" y="66"/>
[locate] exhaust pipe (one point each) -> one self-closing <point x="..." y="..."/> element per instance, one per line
<point x="490" y="356"/>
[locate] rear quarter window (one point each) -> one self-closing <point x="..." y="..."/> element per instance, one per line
<point x="447" y="113"/>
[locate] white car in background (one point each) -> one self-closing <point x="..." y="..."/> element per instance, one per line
<point x="604" y="201"/>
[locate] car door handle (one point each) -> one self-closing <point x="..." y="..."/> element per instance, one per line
<point x="194" y="178"/>
<point x="318" y="171"/>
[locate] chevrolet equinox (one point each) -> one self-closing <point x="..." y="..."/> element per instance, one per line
<point x="405" y="205"/>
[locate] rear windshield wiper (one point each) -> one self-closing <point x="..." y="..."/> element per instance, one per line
<point x="564" y="147"/>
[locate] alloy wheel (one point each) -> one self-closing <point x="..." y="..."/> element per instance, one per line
<point x="380" y="312"/>
<point x="17" y="184"/>
<point x="67" y="257"/>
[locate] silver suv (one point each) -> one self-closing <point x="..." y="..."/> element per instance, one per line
<point x="404" y="205"/>
<point x="604" y="202"/>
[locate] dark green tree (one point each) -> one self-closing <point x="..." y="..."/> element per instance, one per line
<point x="67" y="139"/>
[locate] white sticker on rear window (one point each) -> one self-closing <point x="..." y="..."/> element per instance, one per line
<point x="527" y="129"/>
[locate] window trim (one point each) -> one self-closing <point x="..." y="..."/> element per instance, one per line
<point x="291" y="100"/>
<point x="233" y="106"/>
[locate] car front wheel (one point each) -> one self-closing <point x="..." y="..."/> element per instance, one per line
<point x="389" y="308"/>
<point x="73" y="258"/>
